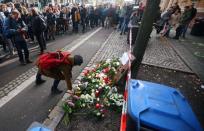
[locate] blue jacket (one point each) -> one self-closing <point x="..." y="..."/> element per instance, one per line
<point x="11" y="27"/>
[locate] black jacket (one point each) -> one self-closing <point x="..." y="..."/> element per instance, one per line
<point x="38" y="24"/>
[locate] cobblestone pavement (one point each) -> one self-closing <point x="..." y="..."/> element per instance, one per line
<point x="158" y="53"/>
<point x="26" y="75"/>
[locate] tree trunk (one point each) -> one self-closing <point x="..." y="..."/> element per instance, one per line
<point x="143" y="36"/>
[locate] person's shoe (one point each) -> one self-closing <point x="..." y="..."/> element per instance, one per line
<point x="39" y="82"/>
<point x="56" y="90"/>
<point x="22" y="63"/>
<point x="28" y="61"/>
<point x="176" y="38"/>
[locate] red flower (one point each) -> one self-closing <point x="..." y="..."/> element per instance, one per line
<point x="85" y="72"/>
<point x="97" y="93"/>
<point x="106" y="70"/>
<point x="97" y="106"/>
<point x="106" y="80"/>
<point x="94" y="70"/>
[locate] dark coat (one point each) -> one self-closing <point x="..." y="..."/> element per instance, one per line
<point x="11" y="28"/>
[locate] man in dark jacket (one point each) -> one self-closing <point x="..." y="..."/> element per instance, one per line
<point x="192" y="14"/>
<point x="38" y="27"/>
<point x="51" y="23"/>
<point x="83" y="17"/>
<point x="184" y="21"/>
<point x="15" y="28"/>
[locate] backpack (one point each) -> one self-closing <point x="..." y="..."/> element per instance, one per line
<point x="51" y="60"/>
<point x="38" y="24"/>
<point x="43" y="24"/>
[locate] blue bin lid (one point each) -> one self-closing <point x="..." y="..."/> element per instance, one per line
<point x="160" y="107"/>
<point x="39" y="129"/>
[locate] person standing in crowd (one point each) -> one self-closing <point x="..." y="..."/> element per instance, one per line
<point x="74" y="24"/>
<point x="163" y="22"/>
<point x="121" y="16"/>
<point x="183" y="22"/>
<point x="83" y="17"/>
<point x="96" y="16"/>
<point x="173" y="21"/>
<point x="126" y="20"/>
<point x="91" y="16"/>
<point x="38" y="27"/>
<point x="103" y="15"/>
<point x="141" y="10"/>
<point x="3" y="40"/>
<point x="51" y="23"/>
<point x="15" y="29"/>
<point x="75" y="18"/>
<point x="133" y="25"/>
<point x="4" y="9"/>
<point x="193" y="12"/>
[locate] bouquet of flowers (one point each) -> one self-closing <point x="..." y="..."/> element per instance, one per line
<point x="96" y="91"/>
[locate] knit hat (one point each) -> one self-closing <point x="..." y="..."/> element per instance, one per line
<point x="78" y="60"/>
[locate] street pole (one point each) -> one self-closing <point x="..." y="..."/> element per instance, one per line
<point x="143" y="36"/>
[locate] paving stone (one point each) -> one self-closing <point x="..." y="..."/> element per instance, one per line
<point x="158" y="53"/>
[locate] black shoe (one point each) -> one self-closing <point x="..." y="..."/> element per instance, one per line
<point x="176" y="38"/>
<point x="22" y="63"/>
<point x="56" y="91"/>
<point x="28" y="61"/>
<point x="38" y="82"/>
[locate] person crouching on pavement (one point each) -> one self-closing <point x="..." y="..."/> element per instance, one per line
<point x="57" y="65"/>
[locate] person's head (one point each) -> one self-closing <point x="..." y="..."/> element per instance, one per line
<point x="3" y="7"/>
<point x="15" y="14"/>
<point x="178" y="11"/>
<point x="34" y="11"/>
<point x="192" y="5"/>
<point x="78" y="60"/>
<point x="186" y="8"/>
<point x="50" y="10"/>
<point x="11" y="5"/>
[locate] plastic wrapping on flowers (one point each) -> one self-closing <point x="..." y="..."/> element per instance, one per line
<point x="96" y="91"/>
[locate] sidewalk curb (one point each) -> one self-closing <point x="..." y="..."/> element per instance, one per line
<point x="57" y="112"/>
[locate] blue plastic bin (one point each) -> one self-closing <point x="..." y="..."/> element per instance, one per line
<point x="36" y="126"/>
<point x="160" y="107"/>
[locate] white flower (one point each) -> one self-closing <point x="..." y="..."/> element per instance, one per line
<point x="93" y="94"/>
<point x="108" y="60"/>
<point x="98" y="113"/>
<point x="97" y="99"/>
<point x="82" y="96"/>
<point x="83" y="105"/>
<point x="117" y="63"/>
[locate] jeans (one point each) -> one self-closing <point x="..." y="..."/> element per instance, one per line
<point x="55" y="83"/>
<point x="179" y="31"/>
<point x="22" y="45"/>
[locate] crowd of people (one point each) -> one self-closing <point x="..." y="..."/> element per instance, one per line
<point x="174" y="19"/>
<point x="20" y="23"/>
